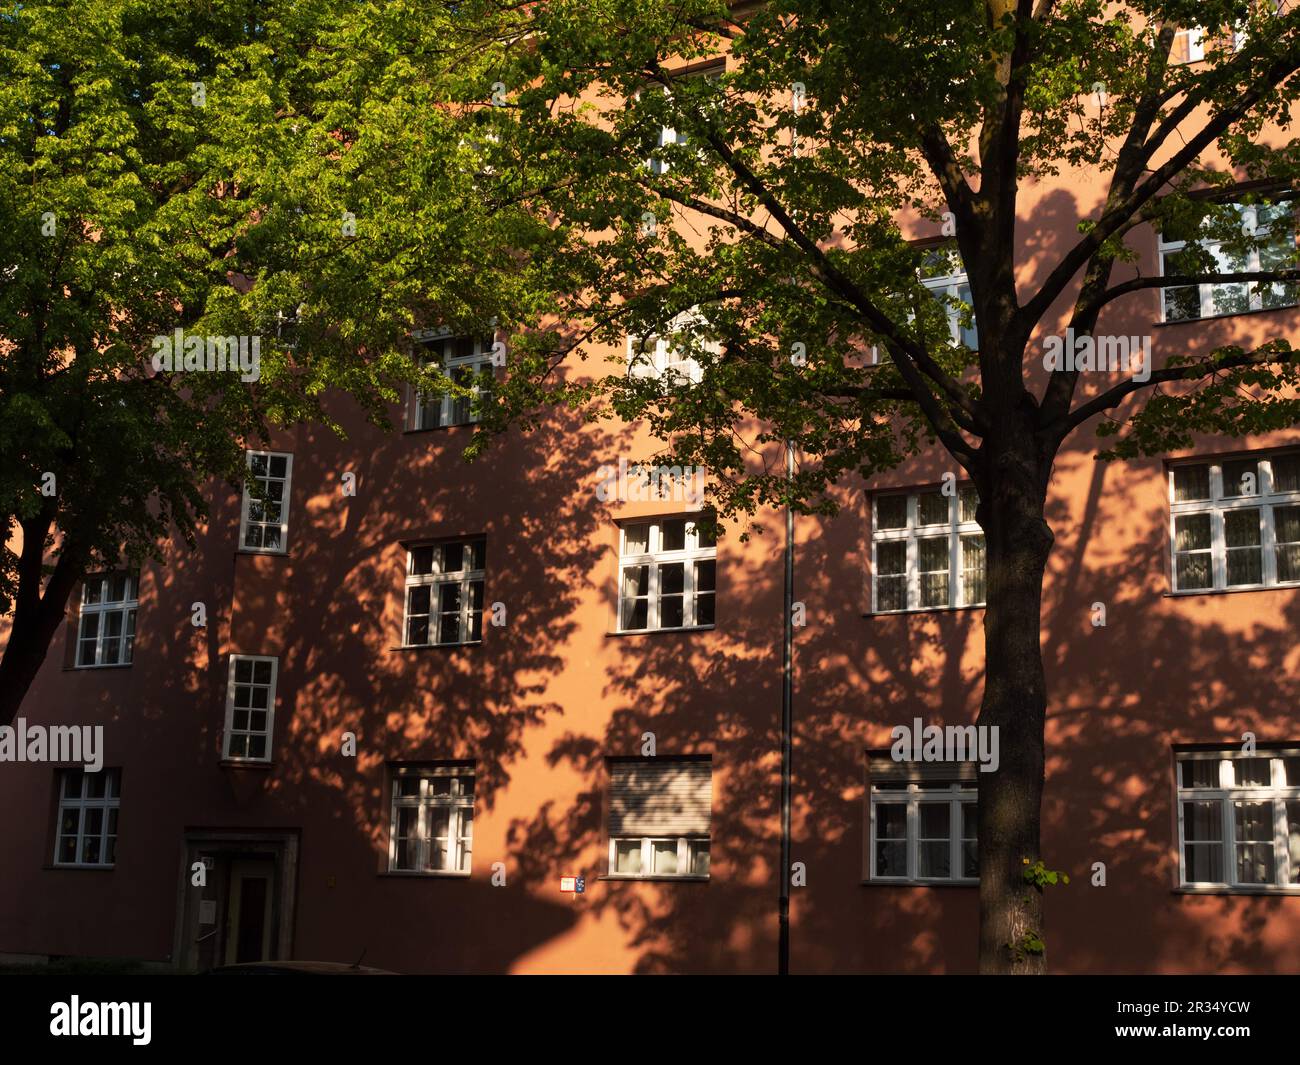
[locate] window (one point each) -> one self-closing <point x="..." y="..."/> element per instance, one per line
<point x="444" y="592"/>
<point x="1235" y="523"/>
<point x="250" y="707"/>
<point x="87" y="829"/>
<point x="944" y="275"/>
<point x="667" y="136"/>
<point x="432" y="825"/>
<point x="1274" y="231"/>
<point x="927" y="551"/>
<point x="1239" y="819"/>
<point x="265" y="523"/>
<point x="465" y="360"/>
<point x="106" y="627"/>
<point x="669" y="357"/>
<point x="667" y="575"/>
<point x="922" y="821"/>
<point x="659" y="813"/>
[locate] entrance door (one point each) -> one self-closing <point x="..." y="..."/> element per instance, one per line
<point x="248" y="911"/>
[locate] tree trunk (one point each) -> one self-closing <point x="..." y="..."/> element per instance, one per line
<point x="39" y="610"/>
<point x="1018" y="542"/>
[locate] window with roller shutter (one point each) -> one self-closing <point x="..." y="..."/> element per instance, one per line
<point x="659" y="817"/>
<point x="922" y="821"/>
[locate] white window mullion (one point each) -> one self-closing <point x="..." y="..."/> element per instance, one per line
<point x="1218" y="549"/>
<point x="913" y="834"/>
<point x="1268" y="545"/>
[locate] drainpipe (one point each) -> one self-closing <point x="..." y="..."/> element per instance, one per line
<point x="787" y="723"/>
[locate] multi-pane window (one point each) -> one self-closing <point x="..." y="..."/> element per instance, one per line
<point x="1235" y="523"/>
<point x="943" y="273"/>
<point x="670" y="356"/>
<point x="927" y="551"/>
<point x="87" y="828"/>
<point x="1239" y="819"/>
<point x="667" y="575"/>
<point x="659" y="817"/>
<point x="444" y="592"/>
<point x="265" y="521"/>
<point x="1274" y="248"/>
<point x="922" y="821"/>
<point x="250" y="707"/>
<point x="466" y="360"/>
<point x="106" y="626"/>
<point x="432" y="824"/>
<point x="658" y="162"/>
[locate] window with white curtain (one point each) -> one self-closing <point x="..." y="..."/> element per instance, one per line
<point x="659" y="817"/>
<point x="943" y="273"/>
<point x="1239" y="819"/>
<point x="667" y="575"/>
<point x="444" y="592"/>
<point x="927" y="551"/>
<point x="1235" y="522"/>
<point x="670" y="356"/>
<point x="922" y="822"/>
<point x="1275" y="249"/>
<point x="432" y="826"/>
<point x="466" y="360"/>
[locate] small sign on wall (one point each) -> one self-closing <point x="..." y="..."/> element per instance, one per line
<point x="207" y="911"/>
<point x="575" y="884"/>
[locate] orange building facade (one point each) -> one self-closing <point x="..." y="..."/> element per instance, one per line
<point x="429" y="696"/>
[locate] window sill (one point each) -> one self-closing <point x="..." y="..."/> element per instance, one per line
<point x="923" y="610"/>
<point x="921" y="883"/>
<point x="432" y="874"/>
<point x="653" y="878"/>
<point x="261" y="551"/>
<point x="657" y="632"/>
<point x="440" y="428"/>
<point x="1192" y="592"/>
<point x="105" y="665"/>
<point x="1222" y="317"/>
<point x="246" y="763"/>
<point x="434" y="646"/>
<point x="1236" y="889"/>
<point x="78" y="868"/>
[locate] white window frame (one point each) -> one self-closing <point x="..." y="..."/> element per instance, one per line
<point x="478" y="361"/>
<point x="955" y="529"/>
<point x="1279" y="791"/>
<point x="912" y="796"/>
<point x="688" y="847"/>
<point x="245" y="515"/>
<point x="127" y="607"/>
<point x="232" y="684"/>
<point x="657" y="355"/>
<point x="667" y="134"/>
<point x="434" y="580"/>
<point x="1206" y="298"/>
<point x="950" y="285"/>
<point x="109" y="802"/>
<point x="655" y="557"/>
<point x="460" y="831"/>
<point x="1217" y="506"/>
